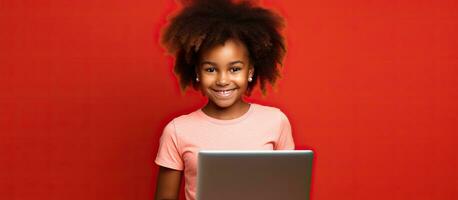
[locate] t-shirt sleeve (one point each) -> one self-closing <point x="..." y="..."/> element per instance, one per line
<point x="168" y="154"/>
<point x="285" y="140"/>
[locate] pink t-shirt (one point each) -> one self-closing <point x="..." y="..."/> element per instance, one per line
<point x="260" y="128"/>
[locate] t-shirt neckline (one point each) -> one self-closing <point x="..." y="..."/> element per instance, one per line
<point x="227" y="121"/>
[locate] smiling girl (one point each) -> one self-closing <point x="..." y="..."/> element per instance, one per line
<point x="224" y="49"/>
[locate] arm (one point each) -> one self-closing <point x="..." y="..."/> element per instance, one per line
<point x="285" y="140"/>
<point x="168" y="184"/>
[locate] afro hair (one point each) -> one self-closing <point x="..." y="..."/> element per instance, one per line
<point x="203" y="24"/>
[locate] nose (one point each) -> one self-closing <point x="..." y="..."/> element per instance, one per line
<point x="222" y="79"/>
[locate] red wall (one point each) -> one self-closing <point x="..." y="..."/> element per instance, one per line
<point x="371" y="86"/>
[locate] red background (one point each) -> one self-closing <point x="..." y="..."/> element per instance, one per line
<point x="369" y="85"/>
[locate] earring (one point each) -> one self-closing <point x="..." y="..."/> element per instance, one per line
<point x="250" y="79"/>
<point x="197" y="79"/>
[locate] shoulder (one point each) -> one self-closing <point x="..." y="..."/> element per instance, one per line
<point x="185" y="120"/>
<point x="268" y="110"/>
<point x="190" y="117"/>
<point x="269" y="113"/>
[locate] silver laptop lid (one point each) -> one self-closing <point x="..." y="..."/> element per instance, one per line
<point x="266" y="175"/>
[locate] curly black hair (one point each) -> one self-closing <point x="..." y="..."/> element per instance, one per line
<point x="203" y="24"/>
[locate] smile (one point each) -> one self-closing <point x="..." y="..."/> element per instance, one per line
<point x="223" y="93"/>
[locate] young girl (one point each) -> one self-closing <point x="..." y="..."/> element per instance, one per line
<point x="223" y="49"/>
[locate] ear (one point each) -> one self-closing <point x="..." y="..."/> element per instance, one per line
<point x="251" y="71"/>
<point x="196" y="70"/>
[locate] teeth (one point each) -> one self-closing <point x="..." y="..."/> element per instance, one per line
<point x="224" y="92"/>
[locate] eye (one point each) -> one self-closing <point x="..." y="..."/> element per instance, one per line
<point x="210" y="69"/>
<point x="235" y="69"/>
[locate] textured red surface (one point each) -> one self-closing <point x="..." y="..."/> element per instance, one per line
<point x="371" y="86"/>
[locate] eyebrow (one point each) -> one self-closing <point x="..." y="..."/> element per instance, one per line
<point x="231" y="63"/>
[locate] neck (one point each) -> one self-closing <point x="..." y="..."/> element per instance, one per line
<point x="226" y="113"/>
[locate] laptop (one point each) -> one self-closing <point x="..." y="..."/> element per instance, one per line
<point x="254" y="175"/>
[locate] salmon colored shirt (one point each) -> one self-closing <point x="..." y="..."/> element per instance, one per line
<point x="260" y="128"/>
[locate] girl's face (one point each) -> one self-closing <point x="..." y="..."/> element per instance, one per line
<point x="223" y="73"/>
